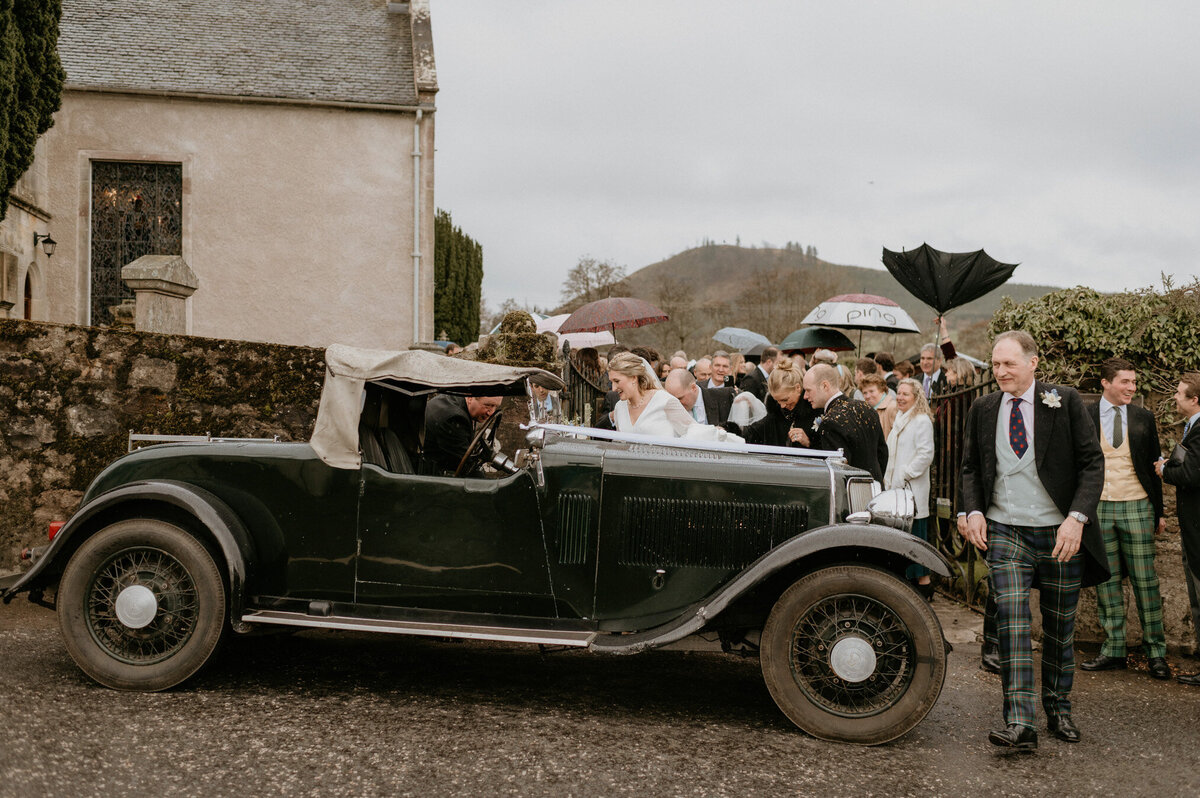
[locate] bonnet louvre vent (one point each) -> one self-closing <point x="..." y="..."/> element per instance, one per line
<point x="706" y="534"/>
<point x="574" y="521"/>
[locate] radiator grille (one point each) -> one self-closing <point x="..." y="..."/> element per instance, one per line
<point x="859" y="492"/>
<point x="706" y="534"/>
<point x="574" y="521"/>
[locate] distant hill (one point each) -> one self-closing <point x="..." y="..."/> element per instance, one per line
<point x="771" y="290"/>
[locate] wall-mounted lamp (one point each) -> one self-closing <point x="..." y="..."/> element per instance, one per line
<point x="48" y="243"/>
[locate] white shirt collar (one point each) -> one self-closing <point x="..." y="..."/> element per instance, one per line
<point x="1027" y="396"/>
<point x="1106" y="406"/>
<point x="763" y="370"/>
<point x="1192" y="421"/>
<point x="835" y="396"/>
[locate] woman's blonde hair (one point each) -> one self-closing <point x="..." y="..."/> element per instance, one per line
<point x="920" y="404"/>
<point x="787" y="374"/>
<point x="964" y="371"/>
<point x="846" y="376"/>
<point x="630" y="365"/>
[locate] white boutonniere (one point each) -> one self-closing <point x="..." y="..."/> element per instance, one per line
<point x="1051" y="398"/>
<point x="817" y="423"/>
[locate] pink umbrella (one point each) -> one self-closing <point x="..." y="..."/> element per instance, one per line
<point x="614" y="312"/>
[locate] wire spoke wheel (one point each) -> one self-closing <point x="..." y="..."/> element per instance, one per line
<point x="173" y="591"/>
<point x="852" y="653"/>
<point x="141" y="605"/>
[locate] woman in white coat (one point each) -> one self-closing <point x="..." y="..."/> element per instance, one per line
<point x="910" y="454"/>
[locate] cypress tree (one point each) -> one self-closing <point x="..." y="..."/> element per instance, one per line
<point x="457" y="280"/>
<point x="31" y="80"/>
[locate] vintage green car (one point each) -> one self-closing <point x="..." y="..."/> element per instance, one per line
<point x="616" y="544"/>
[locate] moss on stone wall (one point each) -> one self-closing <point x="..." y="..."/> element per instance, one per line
<point x="70" y="396"/>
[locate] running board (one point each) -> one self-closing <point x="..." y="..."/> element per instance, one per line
<point x="547" y="637"/>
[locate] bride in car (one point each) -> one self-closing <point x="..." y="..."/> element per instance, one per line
<point x="644" y="407"/>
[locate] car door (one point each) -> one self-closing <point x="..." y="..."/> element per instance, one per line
<point x="470" y="545"/>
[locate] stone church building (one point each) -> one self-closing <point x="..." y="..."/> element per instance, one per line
<point x="284" y="150"/>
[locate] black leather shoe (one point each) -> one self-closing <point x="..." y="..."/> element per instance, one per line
<point x="1159" y="668"/>
<point x="990" y="660"/>
<point x="1191" y="678"/>
<point x="1104" y="663"/>
<point x="1062" y="727"/>
<point x="1016" y="736"/>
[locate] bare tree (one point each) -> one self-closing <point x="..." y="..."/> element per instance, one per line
<point x="592" y="279"/>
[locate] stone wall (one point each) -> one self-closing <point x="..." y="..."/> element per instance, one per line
<point x="70" y="396"/>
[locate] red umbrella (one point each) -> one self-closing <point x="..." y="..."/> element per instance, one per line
<point x="615" y="312"/>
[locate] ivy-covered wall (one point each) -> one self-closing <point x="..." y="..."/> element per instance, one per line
<point x="70" y="396"/>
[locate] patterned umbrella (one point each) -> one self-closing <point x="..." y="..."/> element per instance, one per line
<point x="740" y="338"/>
<point x="862" y="312"/>
<point x="615" y="312"/>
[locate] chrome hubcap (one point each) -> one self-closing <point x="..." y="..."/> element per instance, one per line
<point x="852" y="659"/>
<point x="136" y="606"/>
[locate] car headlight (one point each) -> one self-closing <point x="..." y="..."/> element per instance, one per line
<point x="895" y="508"/>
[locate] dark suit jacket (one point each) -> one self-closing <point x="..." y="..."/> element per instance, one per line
<point x="1186" y="479"/>
<point x="1069" y="463"/>
<point x="717" y="403"/>
<point x="1143" y="448"/>
<point x="448" y="432"/>
<point x="772" y="429"/>
<point x="610" y="404"/>
<point x="755" y="383"/>
<point x="940" y="385"/>
<point x="852" y="426"/>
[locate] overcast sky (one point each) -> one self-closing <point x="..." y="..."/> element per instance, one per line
<point x="1065" y="136"/>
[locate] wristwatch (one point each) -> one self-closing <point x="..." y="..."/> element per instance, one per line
<point x="1078" y="516"/>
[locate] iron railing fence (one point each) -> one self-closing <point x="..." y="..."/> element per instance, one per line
<point x="969" y="573"/>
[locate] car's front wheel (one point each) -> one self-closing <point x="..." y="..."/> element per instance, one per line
<point x="851" y="653"/>
<point x="141" y="605"/>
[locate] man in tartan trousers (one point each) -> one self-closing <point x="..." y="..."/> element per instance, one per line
<point x="1130" y="510"/>
<point x="1032" y="473"/>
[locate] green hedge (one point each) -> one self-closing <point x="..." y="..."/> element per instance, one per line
<point x="1078" y="328"/>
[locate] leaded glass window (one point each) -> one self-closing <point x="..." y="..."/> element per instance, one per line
<point x="137" y="209"/>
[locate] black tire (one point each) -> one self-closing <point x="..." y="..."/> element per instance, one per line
<point x="853" y="654"/>
<point x="188" y="612"/>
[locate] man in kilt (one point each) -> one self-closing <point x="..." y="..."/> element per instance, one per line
<point x="1032" y="473"/>
<point x="1130" y="510"/>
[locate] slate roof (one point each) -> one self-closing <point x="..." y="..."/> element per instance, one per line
<point x="342" y="50"/>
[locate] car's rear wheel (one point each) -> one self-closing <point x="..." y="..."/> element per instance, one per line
<point x="853" y="654"/>
<point x="141" y="605"/>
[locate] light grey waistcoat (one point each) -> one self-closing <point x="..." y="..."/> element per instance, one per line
<point x="1018" y="498"/>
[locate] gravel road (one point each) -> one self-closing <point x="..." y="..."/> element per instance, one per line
<point x="328" y="713"/>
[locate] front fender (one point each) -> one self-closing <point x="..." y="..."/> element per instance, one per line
<point x="814" y="541"/>
<point x="223" y="526"/>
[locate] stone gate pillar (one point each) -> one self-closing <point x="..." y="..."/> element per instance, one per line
<point x="162" y="284"/>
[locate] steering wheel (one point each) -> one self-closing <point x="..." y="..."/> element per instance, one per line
<point x="482" y="442"/>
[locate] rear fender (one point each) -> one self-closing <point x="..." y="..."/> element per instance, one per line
<point x="216" y="520"/>
<point x="805" y="545"/>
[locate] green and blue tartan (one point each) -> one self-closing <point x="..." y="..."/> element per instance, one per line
<point x="1128" y="531"/>
<point x="1015" y="555"/>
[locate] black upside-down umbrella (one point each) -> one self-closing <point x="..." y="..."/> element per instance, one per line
<point x="946" y="280"/>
